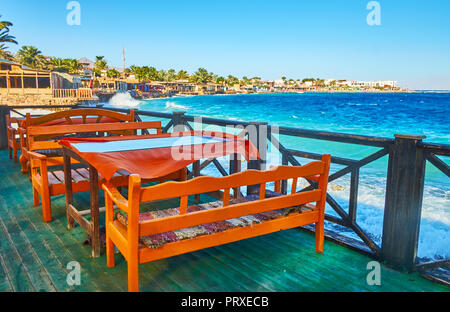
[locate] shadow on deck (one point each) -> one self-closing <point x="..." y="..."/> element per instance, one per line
<point x="34" y="257"/>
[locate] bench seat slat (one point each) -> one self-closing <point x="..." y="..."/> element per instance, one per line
<point x="157" y="240"/>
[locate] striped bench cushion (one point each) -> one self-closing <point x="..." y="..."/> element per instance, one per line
<point x="158" y="240"/>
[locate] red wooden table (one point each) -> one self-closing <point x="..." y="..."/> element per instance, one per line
<point x="150" y="156"/>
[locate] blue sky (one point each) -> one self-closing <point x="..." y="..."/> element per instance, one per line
<point x="270" y="39"/>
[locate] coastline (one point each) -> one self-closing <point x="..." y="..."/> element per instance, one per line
<point x="147" y="96"/>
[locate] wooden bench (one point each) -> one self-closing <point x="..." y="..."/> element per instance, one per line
<point x="156" y="234"/>
<point x="13" y="136"/>
<point x="46" y="154"/>
<point x="68" y="117"/>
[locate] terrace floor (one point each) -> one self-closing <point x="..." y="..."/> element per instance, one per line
<point x="34" y="256"/>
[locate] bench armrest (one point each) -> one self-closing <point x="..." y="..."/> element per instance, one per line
<point x="115" y="196"/>
<point x="37" y="156"/>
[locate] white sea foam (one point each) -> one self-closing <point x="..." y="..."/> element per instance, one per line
<point x="124" y="100"/>
<point x="435" y="222"/>
<point x="173" y="105"/>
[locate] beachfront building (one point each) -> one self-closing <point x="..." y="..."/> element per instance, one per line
<point x="22" y="85"/>
<point x="278" y="83"/>
<point x="380" y="84"/>
<point x="262" y="88"/>
<point x="329" y="82"/>
<point x="86" y="63"/>
<point x="179" y="86"/>
<point x="106" y="84"/>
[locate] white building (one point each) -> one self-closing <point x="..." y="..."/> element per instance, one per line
<point x="388" y="83"/>
<point x="373" y="84"/>
<point x="278" y="83"/>
<point x="328" y="82"/>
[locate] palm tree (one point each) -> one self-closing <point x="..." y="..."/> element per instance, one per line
<point x="4" y="32"/>
<point x="112" y="73"/>
<point x="245" y="81"/>
<point x="231" y="80"/>
<point x="5" y="24"/>
<point x="31" y="56"/>
<point x="136" y="71"/>
<point x="6" y="38"/>
<point x="4" y="53"/>
<point x="202" y="76"/>
<point x="182" y="75"/>
<point x="73" y="65"/>
<point x="220" y="80"/>
<point x="171" y="75"/>
<point x="161" y="75"/>
<point x="100" y="64"/>
<point x="59" y="65"/>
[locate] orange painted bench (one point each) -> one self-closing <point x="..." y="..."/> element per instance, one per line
<point x="68" y="117"/>
<point x="47" y="183"/>
<point x="147" y="236"/>
<point x="13" y="136"/>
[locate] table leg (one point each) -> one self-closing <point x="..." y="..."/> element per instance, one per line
<point x="235" y="167"/>
<point x="196" y="170"/>
<point x="68" y="186"/>
<point x="95" y="217"/>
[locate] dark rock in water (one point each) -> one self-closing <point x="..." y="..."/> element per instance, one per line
<point x="88" y="240"/>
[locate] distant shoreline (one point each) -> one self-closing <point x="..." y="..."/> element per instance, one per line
<point x="153" y="96"/>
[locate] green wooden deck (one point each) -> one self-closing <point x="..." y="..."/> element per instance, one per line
<point x="34" y="256"/>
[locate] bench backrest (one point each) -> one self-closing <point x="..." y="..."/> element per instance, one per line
<point x="11" y="131"/>
<point x="36" y="133"/>
<point x="79" y="116"/>
<point x="317" y="171"/>
<point x="70" y="117"/>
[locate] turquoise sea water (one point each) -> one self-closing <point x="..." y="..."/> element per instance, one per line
<point x="356" y="113"/>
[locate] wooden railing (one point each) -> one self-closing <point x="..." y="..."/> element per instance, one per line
<point x="405" y="177"/>
<point x="84" y="93"/>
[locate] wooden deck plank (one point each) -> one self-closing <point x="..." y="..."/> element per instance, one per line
<point x="222" y="279"/>
<point x="69" y="246"/>
<point x="240" y="269"/>
<point x="20" y="277"/>
<point x="5" y="279"/>
<point x="53" y="263"/>
<point x="279" y="271"/>
<point x="41" y="281"/>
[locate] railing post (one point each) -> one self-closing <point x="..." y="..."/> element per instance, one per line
<point x="403" y="205"/>
<point x="4" y="110"/>
<point x="178" y="122"/>
<point x="257" y="134"/>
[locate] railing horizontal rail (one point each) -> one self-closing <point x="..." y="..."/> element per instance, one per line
<point x="435" y="148"/>
<point x="217" y="122"/>
<point x="334" y="159"/>
<point x="337" y="137"/>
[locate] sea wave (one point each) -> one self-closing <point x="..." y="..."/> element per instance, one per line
<point x="173" y="105"/>
<point x="124" y="100"/>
